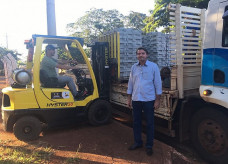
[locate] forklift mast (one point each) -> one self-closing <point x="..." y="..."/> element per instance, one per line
<point x="100" y="64"/>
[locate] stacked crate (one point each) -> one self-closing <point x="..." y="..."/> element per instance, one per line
<point x="129" y="40"/>
<point x="123" y="48"/>
<point x="157" y="44"/>
<point x="168" y="51"/>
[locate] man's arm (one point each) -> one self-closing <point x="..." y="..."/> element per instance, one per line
<point x="158" y="87"/>
<point x="66" y="67"/>
<point x="129" y="101"/>
<point x="63" y="61"/>
<point x="129" y="90"/>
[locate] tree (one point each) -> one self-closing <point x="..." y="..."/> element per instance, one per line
<point x="160" y="16"/>
<point x="5" y="51"/>
<point x="195" y="3"/>
<point x="135" y="20"/>
<point x="95" y="22"/>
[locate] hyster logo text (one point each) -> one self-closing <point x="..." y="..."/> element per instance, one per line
<point x="59" y="104"/>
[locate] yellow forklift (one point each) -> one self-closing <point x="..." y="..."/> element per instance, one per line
<point x="35" y="101"/>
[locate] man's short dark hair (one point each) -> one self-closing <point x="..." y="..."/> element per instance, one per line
<point x="142" y="48"/>
<point x="50" y="47"/>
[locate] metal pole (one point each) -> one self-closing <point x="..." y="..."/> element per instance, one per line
<point x="51" y="23"/>
<point x="6" y="41"/>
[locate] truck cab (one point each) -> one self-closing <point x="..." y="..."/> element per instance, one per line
<point x="214" y="81"/>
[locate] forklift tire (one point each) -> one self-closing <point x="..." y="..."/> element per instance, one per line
<point x="209" y="135"/>
<point x="27" y="128"/>
<point x="99" y="112"/>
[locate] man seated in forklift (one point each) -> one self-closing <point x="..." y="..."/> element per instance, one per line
<point x="49" y="64"/>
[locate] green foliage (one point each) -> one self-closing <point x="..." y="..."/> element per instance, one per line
<point x="62" y="54"/>
<point x="76" y="158"/>
<point x="34" y="152"/>
<point x="135" y="20"/>
<point x="75" y="53"/>
<point x="27" y="154"/>
<point x="5" y="51"/>
<point x="87" y="51"/>
<point x="21" y="63"/>
<point x="94" y="23"/>
<point x="160" y="17"/>
<point x="195" y="3"/>
<point x="97" y="21"/>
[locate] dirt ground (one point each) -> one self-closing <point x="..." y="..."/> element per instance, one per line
<point x="102" y="144"/>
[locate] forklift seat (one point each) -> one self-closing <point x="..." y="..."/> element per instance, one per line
<point x="49" y="82"/>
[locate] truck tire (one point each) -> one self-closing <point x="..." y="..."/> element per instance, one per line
<point x="209" y="135"/>
<point x="27" y="128"/>
<point x="99" y="112"/>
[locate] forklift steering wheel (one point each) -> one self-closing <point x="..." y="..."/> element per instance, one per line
<point x="80" y="75"/>
<point x="73" y="63"/>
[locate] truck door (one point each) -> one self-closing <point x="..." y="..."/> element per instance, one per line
<point x="215" y="54"/>
<point x="220" y="60"/>
<point x="209" y="44"/>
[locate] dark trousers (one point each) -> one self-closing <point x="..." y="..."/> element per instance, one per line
<point x="148" y="108"/>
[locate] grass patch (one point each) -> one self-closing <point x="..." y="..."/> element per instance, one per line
<point x="38" y="153"/>
<point x="76" y="158"/>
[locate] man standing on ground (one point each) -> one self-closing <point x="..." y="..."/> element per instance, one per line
<point x="144" y="92"/>
<point x="49" y="64"/>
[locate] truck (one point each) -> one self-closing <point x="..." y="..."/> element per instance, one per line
<point x="194" y="99"/>
<point x="193" y="103"/>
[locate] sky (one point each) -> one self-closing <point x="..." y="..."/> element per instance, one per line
<point x="20" y="19"/>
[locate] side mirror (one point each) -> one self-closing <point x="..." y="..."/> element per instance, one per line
<point x="225" y="15"/>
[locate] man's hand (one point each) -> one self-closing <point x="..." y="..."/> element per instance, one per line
<point x="157" y="102"/>
<point x="66" y="67"/>
<point x="74" y="67"/>
<point x="129" y="102"/>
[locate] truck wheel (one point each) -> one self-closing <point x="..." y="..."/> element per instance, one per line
<point x="99" y="112"/>
<point x="27" y="128"/>
<point x="209" y="135"/>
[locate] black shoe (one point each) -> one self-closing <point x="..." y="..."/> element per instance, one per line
<point x="134" y="146"/>
<point x="149" y="151"/>
<point x="80" y="95"/>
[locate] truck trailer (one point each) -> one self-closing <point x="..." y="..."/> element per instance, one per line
<point x="194" y="99"/>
